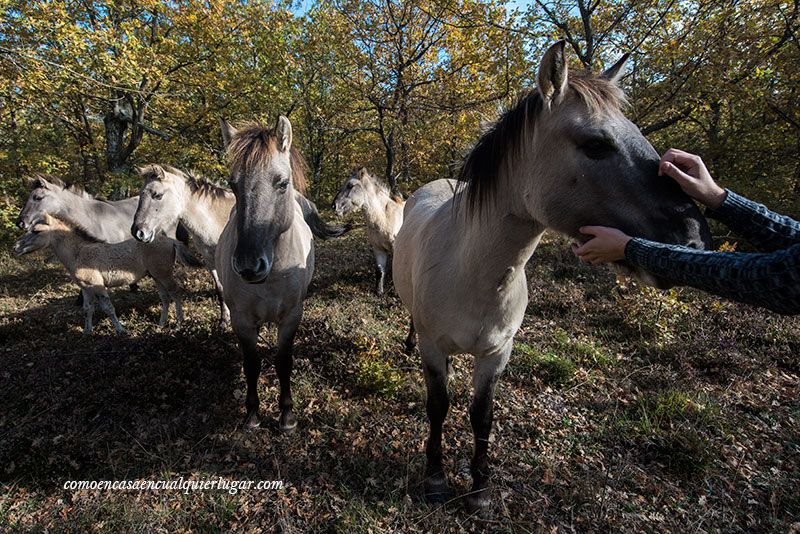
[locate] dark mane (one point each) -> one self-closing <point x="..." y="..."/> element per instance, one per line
<point x="57" y="181"/>
<point x="253" y="146"/>
<point x="195" y="182"/>
<point x="78" y="230"/>
<point x="377" y="180"/>
<point x="481" y="169"/>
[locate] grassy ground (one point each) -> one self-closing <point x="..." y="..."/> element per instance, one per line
<point x="622" y="408"/>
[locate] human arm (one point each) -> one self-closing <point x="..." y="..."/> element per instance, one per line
<point x="769" y="280"/>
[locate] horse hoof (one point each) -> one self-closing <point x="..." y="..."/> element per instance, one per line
<point x="252" y="421"/>
<point x="436" y="490"/>
<point x="477" y="502"/>
<point x="288" y="423"/>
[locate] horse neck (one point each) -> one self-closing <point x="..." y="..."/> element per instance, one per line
<point x="74" y="207"/>
<point x="66" y="246"/>
<point x="81" y="211"/>
<point x="375" y="206"/>
<point x="502" y="235"/>
<point x="202" y="214"/>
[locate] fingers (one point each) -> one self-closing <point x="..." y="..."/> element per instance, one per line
<point x="681" y="158"/>
<point x="586" y="253"/>
<point x="592" y="230"/>
<point x="675" y="173"/>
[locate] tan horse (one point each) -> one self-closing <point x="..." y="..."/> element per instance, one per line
<point x="383" y="213"/>
<point x="169" y="196"/>
<point x="565" y="156"/>
<point x="265" y="255"/>
<point x="95" y="265"/>
<point x="108" y="221"/>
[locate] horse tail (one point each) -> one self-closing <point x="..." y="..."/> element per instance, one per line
<point x="319" y="227"/>
<point x="186" y="257"/>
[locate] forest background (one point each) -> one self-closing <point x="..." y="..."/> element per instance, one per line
<point x="89" y="90"/>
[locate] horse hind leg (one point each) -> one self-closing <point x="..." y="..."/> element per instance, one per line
<point x="434" y="363"/>
<point x="485" y="375"/>
<point x="284" y="361"/>
<point x="381" y="259"/>
<point x="411" y="338"/>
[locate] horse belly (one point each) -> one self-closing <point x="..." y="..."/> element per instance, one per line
<point x="120" y="277"/>
<point x="409" y="243"/>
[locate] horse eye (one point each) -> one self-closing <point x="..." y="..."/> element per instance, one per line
<point x="283" y="185"/>
<point x="597" y="149"/>
<point x="158" y="196"/>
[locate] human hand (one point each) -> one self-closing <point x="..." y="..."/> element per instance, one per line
<point x="607" y="245"/>
<point x="691" y="174"/>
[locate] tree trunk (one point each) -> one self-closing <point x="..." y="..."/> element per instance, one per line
<point x="115" y="140"/>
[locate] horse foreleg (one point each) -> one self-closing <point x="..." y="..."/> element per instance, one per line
<point x="434" y="364"/>
<point x="224" y="313"/>
<point x="247" y="333"/>
<point x="484" y="379"/>
<point x="175" y="294"/>
<point x="284" y="361"/>
<point x="108" y="308"/>
<point x="88" y="310"/>
<point x="163" y="295"/>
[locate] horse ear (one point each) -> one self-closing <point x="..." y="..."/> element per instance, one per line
<point x="362" y="172"/>
<point x="283" y="130"/>
<point x="614" y="72"/>
<point x="41" y="181"/>
<point x="228" y="132"/>
<point x="33" y="181"/>
<point x="552" y="76"/>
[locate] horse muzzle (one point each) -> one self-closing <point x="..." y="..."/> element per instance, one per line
<point x="22" y="224"/>
<point x="252" y="271"/>
<point x="142" y="234"/>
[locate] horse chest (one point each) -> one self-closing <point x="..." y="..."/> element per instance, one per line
<point x="474" y="319"/>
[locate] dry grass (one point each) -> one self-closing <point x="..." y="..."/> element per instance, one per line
<point x="623" y="409"/>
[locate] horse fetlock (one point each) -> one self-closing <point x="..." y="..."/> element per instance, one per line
<point x="436" y="489"/>
<point x="478" y="500"/>
<point x="379" y="276"/>
<point x="252" y="420"/>
<point x="287" y="422"/>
